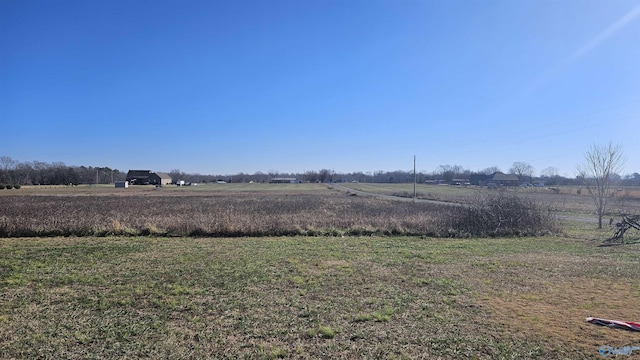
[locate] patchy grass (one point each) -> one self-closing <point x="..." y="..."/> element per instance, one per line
<point x="313" y="297"/>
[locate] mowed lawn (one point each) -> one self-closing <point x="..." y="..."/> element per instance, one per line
<point x="315" y="297"/>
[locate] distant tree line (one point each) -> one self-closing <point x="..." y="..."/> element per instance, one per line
<point x="443" y="173"/>
<point x="57" y="173"/>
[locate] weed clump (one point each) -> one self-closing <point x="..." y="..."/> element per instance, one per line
<point x="501" y="213"/>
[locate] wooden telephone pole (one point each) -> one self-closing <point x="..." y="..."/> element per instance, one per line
<point x="414" y="179"/>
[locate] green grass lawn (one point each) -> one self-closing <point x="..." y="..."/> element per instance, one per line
<point x="314" y="297"/>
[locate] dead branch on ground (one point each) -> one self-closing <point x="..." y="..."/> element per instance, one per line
<point x="627" y="223"/>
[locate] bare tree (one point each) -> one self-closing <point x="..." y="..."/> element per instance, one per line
<point x="490" y="170"/>
<point x="176" y="175"/>
<point x="522" y="170"/>
<point x="326" y="175"/>
<point x="7" y="164"/>
<point x="311" y="176"/>
<point x="550" y="172"/>
<point x="600" y="172"/>
<point x="550" y="175"/>
<point x="260" y="177"/>
<point x="450" y="172"/>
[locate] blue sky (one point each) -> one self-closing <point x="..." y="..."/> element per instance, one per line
<point x="221" y="87"/>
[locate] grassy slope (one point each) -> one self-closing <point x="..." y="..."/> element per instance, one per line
<point x="308" y="297"/>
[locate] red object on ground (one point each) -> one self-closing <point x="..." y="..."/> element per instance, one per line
<point x="616" y="324"/>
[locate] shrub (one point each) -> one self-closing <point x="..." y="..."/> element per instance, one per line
<point x="16" y="186"/>
<point x="500" y="213"/>
<point x="9" y="186"/>
<point x="1" y="186"/>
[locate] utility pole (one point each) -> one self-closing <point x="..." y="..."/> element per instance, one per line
<point x="414" y="179"/>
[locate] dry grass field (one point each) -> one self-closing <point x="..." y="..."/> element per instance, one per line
<point x="235" y="210"/>
<point x="324" y="295"/>
<point x="563" y="199"/>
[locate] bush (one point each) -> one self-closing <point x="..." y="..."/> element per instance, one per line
<point x="16" y="186"/>
<point x="500" y="213"/>
<point x="9" y="186"/>
<point x="1" y="186"/>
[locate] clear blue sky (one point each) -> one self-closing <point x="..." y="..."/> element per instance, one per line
<point x="221" y="87"/>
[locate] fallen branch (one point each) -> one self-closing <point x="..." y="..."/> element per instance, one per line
<point x="628" y="222"/>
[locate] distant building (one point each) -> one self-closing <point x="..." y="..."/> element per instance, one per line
<point x="495" y="179"/>
<point x="146" y="177"/>
<point x="478" y="179"/>
<point x="284" y="181"/>
<point x="163" y="178"/>
<point x="463" y="182"/>
<point x="503" y="179"/>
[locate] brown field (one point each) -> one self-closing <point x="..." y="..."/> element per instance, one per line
<point x="225" y="210"/>
<point x="327" y="294"/>
<point x="261" y="210"/>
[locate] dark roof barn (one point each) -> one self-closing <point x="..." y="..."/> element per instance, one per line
<point x="504" y="179"/>
<point x="146" y="177"/>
